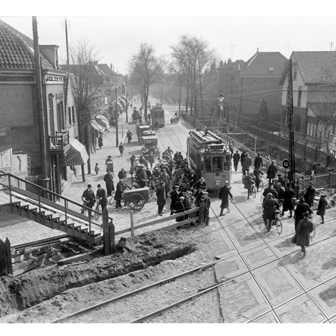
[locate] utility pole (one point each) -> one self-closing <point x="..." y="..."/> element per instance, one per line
<point x="116" y="116"/>
<point x="126" y="95"/>
<point x="290" y="112"/>
<point x="40" y="108"/>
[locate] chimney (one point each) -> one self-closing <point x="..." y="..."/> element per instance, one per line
<point x="220" y="63"/>
<point x="257" y="49"/>
<point x="50" y="52"/>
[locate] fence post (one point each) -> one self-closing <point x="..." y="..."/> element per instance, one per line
<point x="132" y="223"/>
<point x="6" y="266"/>
<point x="106" y="236"/>
<point x="111" y="235"/>
<point x="201" y="214"/>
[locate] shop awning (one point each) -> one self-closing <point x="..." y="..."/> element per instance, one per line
<point x="76" y="155"/>
<point x="122" y="102"/>
<point x="102" y="121"/>
<point x="96" y="126"/>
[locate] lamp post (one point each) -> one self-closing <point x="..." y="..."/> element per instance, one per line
<point x="116" y="115"/>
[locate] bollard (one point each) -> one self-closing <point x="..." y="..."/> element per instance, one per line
<point x="132" y="223"/>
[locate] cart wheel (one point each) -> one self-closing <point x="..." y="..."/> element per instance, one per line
<point x="136" y="201"/>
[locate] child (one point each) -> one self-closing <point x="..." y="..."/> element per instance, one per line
<point x="96" y="168"/>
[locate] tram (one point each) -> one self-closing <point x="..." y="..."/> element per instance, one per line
<point x="157" y="116"/>
<point x="210" y="157"/>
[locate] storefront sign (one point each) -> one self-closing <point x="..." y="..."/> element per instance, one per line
<point x="6" y="160"/>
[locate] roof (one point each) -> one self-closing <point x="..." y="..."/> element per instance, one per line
<point x="323" y="109"/>
<point x="315" y="66"/>
<point x="106" y="69"/>
<point x="261" y="63"/>
<point x="17" y="50"/>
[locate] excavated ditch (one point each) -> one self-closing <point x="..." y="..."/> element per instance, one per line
<point x="27" y="290"/>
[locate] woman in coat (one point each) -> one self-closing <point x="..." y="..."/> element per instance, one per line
<point x="322" y="206"/>
<point x="302" y="236"/>
<point x="180" y="207"/>
<point x="269" y="205"/>
<point x="310" y="195"/>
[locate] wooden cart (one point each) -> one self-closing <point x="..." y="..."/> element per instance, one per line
<point x="136" y="198"/>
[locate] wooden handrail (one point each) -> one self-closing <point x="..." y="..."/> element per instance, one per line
<point x="48" y="191"/>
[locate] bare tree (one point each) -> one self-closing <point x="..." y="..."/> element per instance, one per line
<point x="85" y="81"/>
<point x="191" y="58"/>
<point x="145" y="69"/>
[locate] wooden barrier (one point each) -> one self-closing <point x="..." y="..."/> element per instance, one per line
<point x="6" y="267"/>
<point x="108" y="234"/>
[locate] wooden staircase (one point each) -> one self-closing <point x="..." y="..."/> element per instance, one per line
<point x="53" y="214"/>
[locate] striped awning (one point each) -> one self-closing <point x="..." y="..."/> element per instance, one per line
<point x="102" y="121"/>
<point x="122" y="102"/>
<point x="96" y="126"/>
<point x="76" y="155"/>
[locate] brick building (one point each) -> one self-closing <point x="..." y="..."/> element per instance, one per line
<point x="19" y="119"/>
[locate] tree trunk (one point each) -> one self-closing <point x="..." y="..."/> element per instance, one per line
<point x="180" y="94"/>
<point x="146" y="90"/>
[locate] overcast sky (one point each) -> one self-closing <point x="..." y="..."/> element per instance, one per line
<point x="117" y="38"/>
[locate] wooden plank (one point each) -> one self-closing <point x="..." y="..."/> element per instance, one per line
<point x="173" y="226"/>
<point x="39" y="242"/>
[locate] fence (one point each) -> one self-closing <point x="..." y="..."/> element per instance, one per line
<point x="199" y="214"/>
<point x="6" y="267"/>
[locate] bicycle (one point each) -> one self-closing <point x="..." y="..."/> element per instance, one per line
<point x="253" y="191"/>
<point x="276" y="222"/>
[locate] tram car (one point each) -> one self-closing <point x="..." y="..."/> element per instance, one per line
<point x="157" y="116"/>
<point x="210" y="157"/>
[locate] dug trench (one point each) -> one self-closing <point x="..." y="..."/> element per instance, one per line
<point x="29" y="289"/>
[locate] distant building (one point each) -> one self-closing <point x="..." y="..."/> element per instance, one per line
<point x="19" y="119"/>
<point x="314" y="96"/>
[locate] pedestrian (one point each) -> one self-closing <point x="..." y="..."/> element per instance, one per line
<point x="142" y="177"/>
<point x="270" y="205"/>
<point x="242" y="157"/>
<point x="108" y="178"/>
<point x="270" y="189"/>
<point x="132" y="159"/>
<point x="121" y="148"/>
<point x="101" y="197"/>
<point x="322" y="206"/>
<point x="119" y="193"/>
<point x="236" y="157"/>
<point x="122" y="174"/>
<point x="301" y="208"/>
<point x="258" y="161"/>
<point x="96" y="168"/>
<point x="288" y="200"/>
<point x="309" y="195"/>
<point x="246" y="164"/>
<point x="302" y="235"/>
<point x="129" y="136"/>
<point x="151" y="159"/>
<point x="271" y="172"/>
<point x="250" y="180"/>
<point x="224" y="194"/>
<point x="161" y="197"/>
<point x="180" y="207"/>
<point x="205" y="200"/>
<point x="109" y="164"/>
<point x="88" y="198"/>
<point x="200" y="184"/>
<point x="174" y="196"/>
<point x="257" y="172"/>
<point x="100" y="142"/>
<point x="164" y="177"/>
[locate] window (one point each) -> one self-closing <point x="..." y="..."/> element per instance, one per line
<point x="60" y="116"/>
<point x="299" y="96"/>
<point x="206" y="164"/>
<point x="295" y="74"/>
<point x="69" y="115"/>
<point x="217" y="163"/>
<point x="51" y="114"/>
<point x="73" y="114"/>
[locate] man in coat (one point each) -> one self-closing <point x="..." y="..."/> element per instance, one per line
<point x="288" y="200"/>
<point x="271" y="172"/>
<point x="119" y="193"/>
<point x="161" y="197"/>
<point x="224" y="194"/>
<point x="302" y="236"/>
<point x="101" y="197"/>
<point x="236" y="157"/>
<point x="270" y="205"/>
<point x="301" y="208"/>
<point x="205" y="200"/>
<point x="88" y="198"/>
<point x="122" y="174"/>
<point x="108" y="178"/>
<point x="180" y="207"/>
<point x="270" y="189"/>
<point x="142" y="176"/>
<point x="258" y="161"/>
<point x="164" y="177"/>
<point x="246" y="164"/>
<point x="129" y="136"/>
<point x="242" y="157"/>
<point x="121" y="148"/>
<point x="257" y="173"/>
<point x="310" y="195"/>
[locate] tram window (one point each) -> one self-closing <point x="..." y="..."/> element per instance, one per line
<point x="207" y="163"/>
<point x="192" y="155"/>
<point x="217" y="163"/>
<point x="227" y="164"/>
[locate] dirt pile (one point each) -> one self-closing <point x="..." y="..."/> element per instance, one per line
<point x="139" y="252"/>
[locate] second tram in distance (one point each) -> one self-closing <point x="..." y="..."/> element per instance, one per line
<point x="210" y="157"/>
<point x="157" y="116"/>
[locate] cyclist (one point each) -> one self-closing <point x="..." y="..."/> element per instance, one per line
<point x="270" y="205"/>
<point x="257" y="172"/>
<point x="270" y="189"/>
<point x="250" y="180"/>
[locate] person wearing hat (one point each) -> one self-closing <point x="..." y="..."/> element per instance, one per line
<point x="270" y="189"/>
<point x="88" y="198"/>
<point x="108" y="178"/>
<point x="236" y="157"/>
<point x="258" y="161"/>
<point x="322" y="206"/>
<point x="175" y="196"/>
<point x="205" y="200"/>
<point x="224" y="194"/>
<point x="164" y="177"/>
<point x="288" y="200"/>
<point x="246" y="164"/>
<point x="180" y="207"/>
<point x="119" y="193"/>
<point x="309" y="195"/>
<point x="142" y="177"/>
<point x="270" y="205"/>
<point x="109" y="164"/>
<point x="302" y="235"/>
<point x="161" y="197"/>
<point x="301" y="208"/>
<point x="271" y="172"/>
<point x="101" y="196"/>
<point x="156" y="172"/>
<point x="257" y="173"/>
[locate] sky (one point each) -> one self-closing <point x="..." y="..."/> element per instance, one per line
<point x="117" y="29"/>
